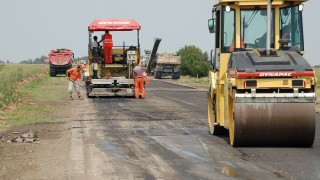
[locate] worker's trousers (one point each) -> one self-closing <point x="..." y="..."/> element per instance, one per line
<point x="108" y="54"/>
<point x="139" y="87"/>
<point x="73" y="84"/>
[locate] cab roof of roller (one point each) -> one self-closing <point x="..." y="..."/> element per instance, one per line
<point x="114" y="25"/>
<point x="258" y="2"/>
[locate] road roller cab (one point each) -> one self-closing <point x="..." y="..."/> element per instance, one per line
<point x="261" y="88"/>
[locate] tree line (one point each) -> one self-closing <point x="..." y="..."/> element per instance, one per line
<point x="2" y="62"/>
<point x="194" y="62"/>
<point x="39" y="60"/>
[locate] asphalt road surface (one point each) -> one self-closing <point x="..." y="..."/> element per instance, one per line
<point x="165" y="136"/>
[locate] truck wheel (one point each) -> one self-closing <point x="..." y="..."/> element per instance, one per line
<point x="52" y="74"/>
<point x="176" y="75"/>
<point x="158" y="75"/>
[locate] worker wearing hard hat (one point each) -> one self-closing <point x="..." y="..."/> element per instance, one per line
<point x="108" y="44"/>
<point x="74" y="76"/>
<point x="138" y="81"/>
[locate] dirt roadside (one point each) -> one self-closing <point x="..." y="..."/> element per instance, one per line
<point x="37" y="151"/>
<point x="45" y="158"/>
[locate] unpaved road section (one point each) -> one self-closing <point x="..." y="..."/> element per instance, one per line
<point x="164" y="136"/>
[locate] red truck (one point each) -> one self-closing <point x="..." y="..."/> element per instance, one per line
<point x="60" y="60"/>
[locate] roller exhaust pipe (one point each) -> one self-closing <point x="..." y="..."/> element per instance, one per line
<point x="268" y="45"/>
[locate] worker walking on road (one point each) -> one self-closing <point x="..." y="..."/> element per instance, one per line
<point x="74" y="76"/>
<point x="108" y="44"/>
<point x="138" y="81"/>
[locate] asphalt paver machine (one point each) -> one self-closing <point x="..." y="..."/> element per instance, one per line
<point x="116" y="78"/>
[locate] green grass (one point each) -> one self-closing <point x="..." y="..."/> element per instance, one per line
<point x="26" y="70"/>
<point x="42" y="96"/>
<point x="10" y="77"/>
<point x="32" y="97"/>
<point x="201" y="82"/>
<point x="1" y="67"/>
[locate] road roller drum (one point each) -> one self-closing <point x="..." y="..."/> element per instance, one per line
<point x="273" y="124"/>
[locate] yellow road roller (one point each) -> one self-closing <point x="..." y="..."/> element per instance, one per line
<point x="261" y="88"/>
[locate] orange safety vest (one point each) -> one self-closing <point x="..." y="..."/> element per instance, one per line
<point x="108" y="40"/>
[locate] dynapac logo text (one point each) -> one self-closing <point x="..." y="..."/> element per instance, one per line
<point x="115" y="22"/>
<point x="275" y="74"/>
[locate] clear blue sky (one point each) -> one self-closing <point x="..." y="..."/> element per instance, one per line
<point x="31" y="28"/>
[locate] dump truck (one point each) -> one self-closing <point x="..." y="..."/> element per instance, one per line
<point x="60" y="60"/>
<point x="167" y="64"/>
<point x="262" y="89"/>
<point x="164" y="64"/>
<point x="116" y="78"/>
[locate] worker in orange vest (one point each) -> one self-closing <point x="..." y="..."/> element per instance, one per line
<point x="108" y="44"/>
<point x="83" y="69"/>
<point x="74" y="76"/>
<point x="138" y="80"/>
<point x="84" y="66"/>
